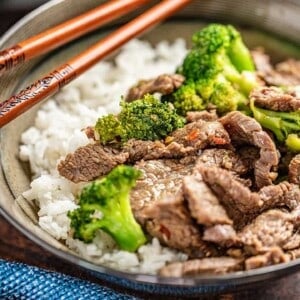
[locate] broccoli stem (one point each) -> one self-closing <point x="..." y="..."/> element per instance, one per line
<point x="268" y="121"/>
<point x="240" y="56"/>
<point x="126" y="232"/>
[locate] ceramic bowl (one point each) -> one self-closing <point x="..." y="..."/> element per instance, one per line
<point x="271" y="24"/>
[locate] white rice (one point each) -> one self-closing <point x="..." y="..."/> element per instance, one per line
<point x="57" y="131"/>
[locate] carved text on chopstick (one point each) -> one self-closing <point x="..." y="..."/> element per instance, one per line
<point x="10" y="58"/>
<point x="27" y="94"/>
<point x="40" y="89"/>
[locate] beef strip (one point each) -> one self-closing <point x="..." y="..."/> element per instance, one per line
<point x="240" y="203"/>
<point x="247" y="182"/>
<point x="212" y="265"/>
<point x="246" y="130"/>
<point x="182" y="142"/>
<point x="284" y="194"/>
<point x="261" y="61"/>
<point x="294" y="169"/>
<point x="222" y="235"/>
<point x="249" y="154"/>
<point x="170" y="221"/>
<point x="274" y="98"/>
<point x="164" y="84"/>
<point x="204" y="206"/>
<point x="160" y="177"/>
<point x="225" y="159"/>
<point x="146" y="150"/>
<point x="286" y="73"/>
<point x="89" y="162"/>
<point x="193" y="116"/>
<point x="274" y="256"/>
<point x="270" y="229"/>
<point x="200" y="134"/>
<point x="289" y="73"/>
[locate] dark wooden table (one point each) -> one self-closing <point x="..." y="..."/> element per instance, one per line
<point x="14" y="246"/>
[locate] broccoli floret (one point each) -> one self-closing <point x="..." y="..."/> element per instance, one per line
<point x="186" y="99"/>
<point x="226" y="98"/>
<point x="144" y="119"/>
<point x="105" y="204"/>
<point x="282" y="124"/>
<point x="108" y="128"/>
<point x="218" y="65"/>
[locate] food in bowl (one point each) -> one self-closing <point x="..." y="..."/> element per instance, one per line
<point x="196" y="172"/>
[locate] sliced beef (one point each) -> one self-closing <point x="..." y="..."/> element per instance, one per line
<point x="193" y="116"/>
<point x="212" y="265"/>
<point x="225" y="159"/>
<point x="160" y="177"/>
<point x="182" y="142"/>
<point x="289" y="71"/>
<point x="170" y="221"/>
<point x="246" y="130"/>
<point x="274" y="98"/>
<point x="285" y="160"/>
<point x="89" y="162"/>
<point x="94" y="160"/>
<point x="240" y="203"/>
<point x="222" y="235"/>
<point x="261" y="61"/>
<point x="146" y="150"/>
<point x="204" y="206"/>
<point x="274" y="256"/>
<point x="286" y="73"/>
<point x="273" y="228"/>
<point x="200" y="134"/>
<point x="247" y="182"/>
<point x="164" y="84"/>
<point x="250" y="154"/>
<point x="294" y="169"/>
<point x="284" y="194"/>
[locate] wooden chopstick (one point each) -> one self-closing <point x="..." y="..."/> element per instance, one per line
<point x="51" y="83"/>
<point x="65" y="32"/>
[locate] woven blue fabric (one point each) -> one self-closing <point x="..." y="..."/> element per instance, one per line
<point x="19" y="281"/>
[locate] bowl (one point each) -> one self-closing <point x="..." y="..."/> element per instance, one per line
<point x="271" y="24"/>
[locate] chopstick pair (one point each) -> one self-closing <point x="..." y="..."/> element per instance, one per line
<point x="51" y="83"/>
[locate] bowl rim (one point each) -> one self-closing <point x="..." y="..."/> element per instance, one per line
<point x="235" y="278"/>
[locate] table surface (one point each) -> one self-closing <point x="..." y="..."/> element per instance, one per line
<point x="14" y="246"/>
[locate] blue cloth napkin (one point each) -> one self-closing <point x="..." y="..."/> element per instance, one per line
<point x="23" y="282"/>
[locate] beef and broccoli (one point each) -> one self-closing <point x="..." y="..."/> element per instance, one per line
<point x="207" y="160"/>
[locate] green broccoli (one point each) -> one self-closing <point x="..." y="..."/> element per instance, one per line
<point x="143" y="119"/>
<point x="105" y="204"/>
<point x="108" y="128"/>
<point x="225" y="98"/>
<point x="186" y="99"/>
<point x="219" y="69"/>
<point x="293" y="142"/>
<point x="284" y="125"/>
